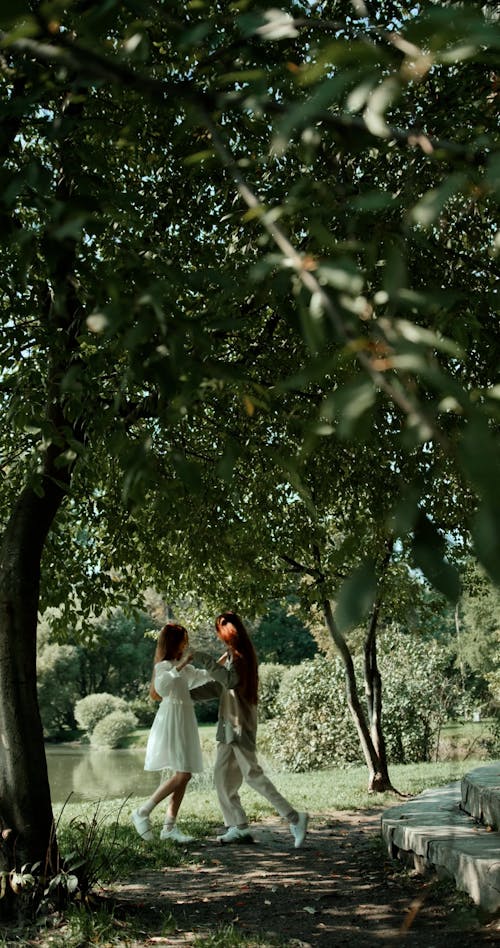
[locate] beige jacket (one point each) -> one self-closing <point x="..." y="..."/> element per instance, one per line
<point x="237" y="723"/>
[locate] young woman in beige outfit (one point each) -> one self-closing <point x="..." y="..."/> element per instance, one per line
<point x="236" y="760"/>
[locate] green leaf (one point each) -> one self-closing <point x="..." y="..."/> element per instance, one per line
<point x="345" y="54"/>
<point x="349" y="405"/>
<point x="295" y="479"/>
<point x="228" y="460"/>
<point x="405" y="511"/>
<point x="306" y="111"/>
<point x="486" y="537"/>
<point x="372" y="201"/>
<point x="356" y="597"/>
<point x="493" y="173"/>
<point x="428" y="553"/>
<point x="343" y="274"/>
<point x="428" y="209"/>
<point x="199" y="156"/>
<point x="72" y="227"/>
<point x="480" y="456"/>
<point x="188" y="471"/>
<point x="427" y="337"/>
<point x="13" y="10"/>
<point x="194" y="36"/>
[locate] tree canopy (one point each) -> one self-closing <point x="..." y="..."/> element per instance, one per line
<point x="250" y="261"/>
<point x="353" y="295"/>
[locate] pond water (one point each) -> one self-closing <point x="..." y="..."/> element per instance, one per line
<point x="90" y="774"/>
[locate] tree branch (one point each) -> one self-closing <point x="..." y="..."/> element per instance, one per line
<point x="297" y="567"/>
<point x="301" y="266"/>
<point x="64" y="51"/>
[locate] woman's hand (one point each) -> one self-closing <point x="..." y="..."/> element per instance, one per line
<point x="184" y="661"/>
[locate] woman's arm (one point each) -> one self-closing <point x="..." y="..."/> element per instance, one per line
<point x="208" y="692"/>
<point x="228" y="677"/>
<point x="196" y="676"/>
<point x="164" y="678"/>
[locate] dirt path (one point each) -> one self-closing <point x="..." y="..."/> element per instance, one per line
<point x="340" y="889"/>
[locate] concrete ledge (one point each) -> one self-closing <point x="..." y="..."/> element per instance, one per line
<point x="433" y="828"/>
<point x="481" y="794"/>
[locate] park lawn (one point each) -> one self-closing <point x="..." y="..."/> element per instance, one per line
<point x="467" y="730"/>
<point x="139" y="737"/>
<point x="108" y="824"/>
<point x="460" y="738"/>
<point x="101" y="834"/>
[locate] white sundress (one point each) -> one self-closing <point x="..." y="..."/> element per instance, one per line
<point x="173" y="740"/>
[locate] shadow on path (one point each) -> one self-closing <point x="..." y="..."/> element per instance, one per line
<point x="339" y="889"/>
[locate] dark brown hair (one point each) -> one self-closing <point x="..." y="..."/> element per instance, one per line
<point x="231" y="630"/>
<point x="168" y="647"/>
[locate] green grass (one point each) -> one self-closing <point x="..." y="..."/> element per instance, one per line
<point x="228" y="937"/>
<point x="139" y="737"/>
<point x="319" y="792"/>
<point x="104" y="833"/>
<point x="79" y="928"/>
<point x="468" y="729"/>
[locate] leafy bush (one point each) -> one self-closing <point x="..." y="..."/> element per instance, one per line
<point x="92" y="709"/>
<point x="281" y="636"/>
<point x="419" y="692"/>
<point x="270" y="677"/>
<point x="57" y="684"/>
<point x="207" y="712"/>
<point x="492" y="742"/>
<point x="319" y="731"/>
<point x="144" y="710"/>
<point x="111" y="730"/>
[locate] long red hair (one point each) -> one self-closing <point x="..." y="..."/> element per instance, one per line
<point x="231" y="630"/>
<point x="168" y="647"/>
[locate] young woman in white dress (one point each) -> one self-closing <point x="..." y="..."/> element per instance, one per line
<point x="173" y="741"/>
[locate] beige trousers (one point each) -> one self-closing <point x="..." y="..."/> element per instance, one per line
<point x="233" y="765"/>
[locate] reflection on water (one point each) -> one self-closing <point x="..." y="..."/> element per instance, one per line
<point x="90" y="774"/>
<point x="86" y="773"/>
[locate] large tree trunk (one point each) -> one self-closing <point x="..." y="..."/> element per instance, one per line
<point x="26" y="818"/>
<point x="25" y="806"/>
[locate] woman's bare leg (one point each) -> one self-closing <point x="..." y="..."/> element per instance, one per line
<point x="175" y="787"/>
<point x="170" y="786"/>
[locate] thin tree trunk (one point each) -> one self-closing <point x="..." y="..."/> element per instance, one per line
<point x="373" y="686"/>
<point x="376" y="781"/>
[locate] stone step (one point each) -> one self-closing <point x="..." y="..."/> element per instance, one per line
<point x="435" y="832"/>
<point x="481" y="795"/>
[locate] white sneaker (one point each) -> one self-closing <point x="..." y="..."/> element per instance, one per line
<point x="235" y="835"/>
<point x="176" y="835"/>
<point x="142" y="825"/>
<point x="299" y="829"/>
